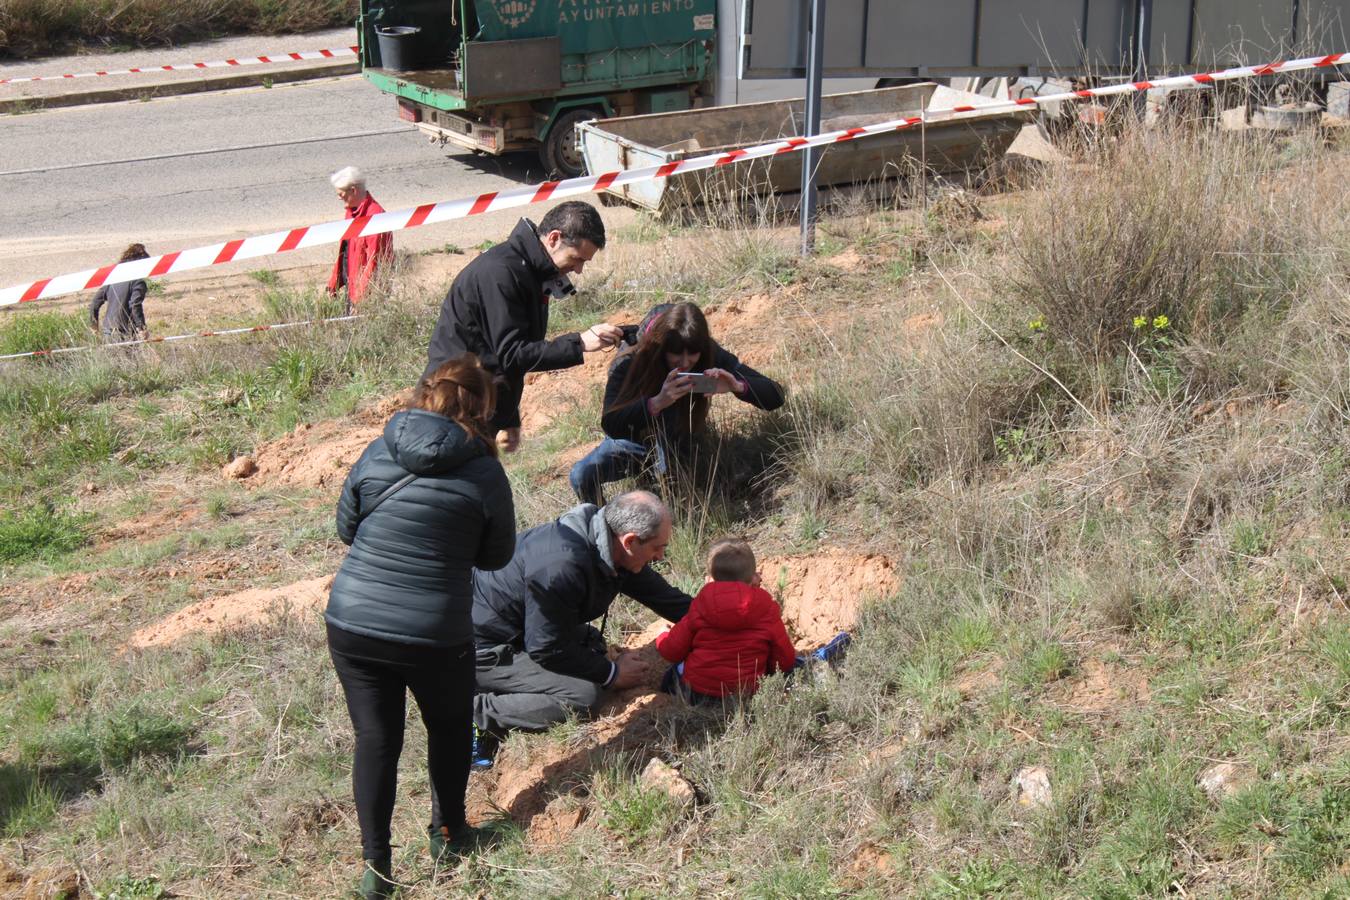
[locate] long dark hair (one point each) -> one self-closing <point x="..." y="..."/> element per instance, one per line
<point x="463" y="391"/>
<point x="680" y="328"/>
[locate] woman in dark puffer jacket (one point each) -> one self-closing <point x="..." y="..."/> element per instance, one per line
<point x="424" y="505"/>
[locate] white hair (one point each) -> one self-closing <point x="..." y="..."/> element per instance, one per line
<point x="637" y="512"/>
<point x="351" y="176"/>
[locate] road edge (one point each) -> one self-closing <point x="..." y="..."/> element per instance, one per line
<point x="327" y="69"/>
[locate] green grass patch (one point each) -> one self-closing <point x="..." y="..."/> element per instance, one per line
<point x="41" y="532"/>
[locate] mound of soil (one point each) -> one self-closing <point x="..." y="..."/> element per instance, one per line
<point x="251" y="607"/>
<point x="820" y="593"/>
<point x="319" y="456"/>
<point x="534" y="786"/>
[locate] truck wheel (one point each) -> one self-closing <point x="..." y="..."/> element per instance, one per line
<point x="560" y="153"/>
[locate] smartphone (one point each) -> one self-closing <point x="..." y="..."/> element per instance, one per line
<point x="702" y="384"/>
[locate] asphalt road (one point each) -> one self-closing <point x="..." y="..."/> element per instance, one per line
<point x="81" y="183"/>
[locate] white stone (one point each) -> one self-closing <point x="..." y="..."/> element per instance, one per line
<point x="1031" y="787"/>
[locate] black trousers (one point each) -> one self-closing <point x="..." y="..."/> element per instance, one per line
<point x="376" y="676"/>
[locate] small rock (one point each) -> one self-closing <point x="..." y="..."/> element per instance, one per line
<point x="1031" y="787"/>
<point x="241" y="467"/>
<point x="1226" y="779"/>
<point x="660" y="777"/>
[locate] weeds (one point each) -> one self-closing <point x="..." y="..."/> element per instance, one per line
<point x="1117" y="591"/>
<point x="40" y="532"/>
<point x="36" y="28"/>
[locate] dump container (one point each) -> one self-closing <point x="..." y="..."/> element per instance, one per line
<point x="633" y="142"/>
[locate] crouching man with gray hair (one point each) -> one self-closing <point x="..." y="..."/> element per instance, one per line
<point x="538" y="655"/>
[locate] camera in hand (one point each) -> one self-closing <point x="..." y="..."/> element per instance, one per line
<point x="700" y="383"/>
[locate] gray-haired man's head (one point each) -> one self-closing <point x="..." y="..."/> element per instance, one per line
<point x="639" y="527"/>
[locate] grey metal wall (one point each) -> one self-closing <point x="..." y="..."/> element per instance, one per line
<point x="936" y="37"/>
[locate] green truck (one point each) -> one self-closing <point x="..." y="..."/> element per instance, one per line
<point x="494" y="76"/>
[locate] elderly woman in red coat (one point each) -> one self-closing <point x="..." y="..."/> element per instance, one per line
<point x="358" y="258"/>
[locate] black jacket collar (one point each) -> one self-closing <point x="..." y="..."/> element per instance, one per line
<point x="524" y="240"/>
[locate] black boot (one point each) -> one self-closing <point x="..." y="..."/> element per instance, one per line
<point x="377" y="882"/>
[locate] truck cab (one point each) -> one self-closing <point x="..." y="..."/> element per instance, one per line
<point x="494" y="76"/>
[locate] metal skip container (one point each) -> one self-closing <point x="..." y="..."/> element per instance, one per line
<point x="633" y="142"/>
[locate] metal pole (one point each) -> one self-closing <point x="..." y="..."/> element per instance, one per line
<point x="815" y="55"/>
<point x="1142" y="40"/>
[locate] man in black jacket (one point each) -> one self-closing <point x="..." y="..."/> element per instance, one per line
<point x="497" y="307"/>
<point x="538" y="655"/>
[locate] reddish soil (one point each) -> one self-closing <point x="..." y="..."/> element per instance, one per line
<point x="821" y="593"/>
<point x="320" y="455"/>
<point x="534" y="786"/>
<point x="252" y="607"/>
<point x="1103" y="686"/>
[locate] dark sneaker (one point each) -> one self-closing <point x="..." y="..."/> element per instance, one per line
<point x="376" y="881"/>
<point x="484" y="750"/>
<point x="835" y="649"/>
<point x="446" y="846"/>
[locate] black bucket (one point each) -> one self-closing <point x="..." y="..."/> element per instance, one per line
<point x="399" y="45"/>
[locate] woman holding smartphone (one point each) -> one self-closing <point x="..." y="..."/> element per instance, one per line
<point x="657" y="398"/>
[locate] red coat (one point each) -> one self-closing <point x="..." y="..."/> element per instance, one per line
<point x="364" y="254"/>
<point x="732" y="634"/>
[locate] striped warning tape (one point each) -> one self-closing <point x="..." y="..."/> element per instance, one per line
<point x="178" y="337"/>
<point x="493" y="201"/>
<point x="331" y="53"/>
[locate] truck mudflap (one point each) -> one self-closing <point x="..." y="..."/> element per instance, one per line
<point x="443" y="128"/>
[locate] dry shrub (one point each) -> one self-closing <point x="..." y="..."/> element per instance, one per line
<point x="37" y="27"/>
<point x="1203" y="228"/>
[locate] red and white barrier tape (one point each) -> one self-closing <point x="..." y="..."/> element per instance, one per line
<point x="179" y="337"/>
<point x="332" y="53"/>
<point x="493" y="201"/>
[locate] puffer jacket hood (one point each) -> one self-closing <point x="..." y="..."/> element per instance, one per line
<point x="733" y="635"/>
<point x="728" y="604"/>
<point x="409" y="575"/>
<point x="588" y="521"/>
<point x="426" y="443"/>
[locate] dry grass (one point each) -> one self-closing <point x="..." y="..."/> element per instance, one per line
<point x="1123" y="560"/>
<point x="41" y="27"/>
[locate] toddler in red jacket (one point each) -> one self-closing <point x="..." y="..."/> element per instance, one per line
<point x="732" y="635"/>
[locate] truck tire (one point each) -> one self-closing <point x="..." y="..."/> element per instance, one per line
<point x="559" y="153"/>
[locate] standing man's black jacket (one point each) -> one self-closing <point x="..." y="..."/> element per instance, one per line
<point x="409" y="575"/>
<point x="561" y="577"/>
<point x="498" y="309"/>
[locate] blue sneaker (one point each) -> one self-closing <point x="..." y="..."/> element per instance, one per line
<point x="835" y="649"/>
<point x="484" y="748"/>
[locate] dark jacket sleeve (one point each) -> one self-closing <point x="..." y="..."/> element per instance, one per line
<point x="95" y="305"/>
<point x="552" y="621"/>
<point x="498" y="542"/>
<point x="136" y="305"/>
<point x="349" y="506"/>
<point x="762" y="391"/>
<point x="508" y="318"/>
<point x="654" y="592"/>
<point x="630" y="421"/>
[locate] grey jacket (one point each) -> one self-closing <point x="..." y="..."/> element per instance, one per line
<point x="561" y="577"/>
<point x="408" y="577"/>
<point x="125" y="314"/>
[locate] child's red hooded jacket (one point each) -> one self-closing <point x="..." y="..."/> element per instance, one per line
<point x="732" y="634"/>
